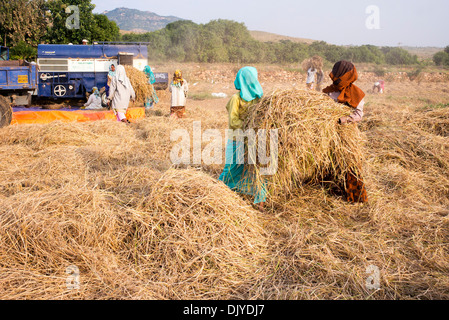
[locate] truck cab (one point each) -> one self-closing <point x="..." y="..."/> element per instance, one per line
<point x="4" y="53"/>
<point x="18" y="81"/>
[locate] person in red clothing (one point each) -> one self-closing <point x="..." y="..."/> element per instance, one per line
<point x="343" y="90"/>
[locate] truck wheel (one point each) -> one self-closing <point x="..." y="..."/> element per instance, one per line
<point x="5" y="112"/>
<point x="104" y="100"/>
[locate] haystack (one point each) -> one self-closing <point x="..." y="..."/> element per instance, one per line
<point x="312" y="146"/>
<point x="198" y="230"/>
<point x="189" y="237"/>
<point x="434" y="121"/>
<point x="313" y="62"/>
<point x="139" y="81"/>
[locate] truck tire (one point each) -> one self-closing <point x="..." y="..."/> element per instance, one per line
<point x="104" y="100"/>
<point x="5" y="112"/>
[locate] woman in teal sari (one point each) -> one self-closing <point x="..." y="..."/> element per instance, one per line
<point x="149" y="101"/>
<point x="235" y="174"/>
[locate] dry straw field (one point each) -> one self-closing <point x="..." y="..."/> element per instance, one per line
<point x="104" y="197"/>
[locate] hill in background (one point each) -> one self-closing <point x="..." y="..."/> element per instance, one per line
<point x="272" y="37"/>
<point x="139" y="21"/>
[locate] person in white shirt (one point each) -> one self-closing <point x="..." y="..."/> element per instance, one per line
<point x="178" y="88"/>
<point x="94" y="101"/>
<point x="310" y="77"/>
<point x="121" y="92"/>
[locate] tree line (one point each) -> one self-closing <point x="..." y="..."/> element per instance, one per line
<point x="27" y="23"/>
<point x="230" y="41"/>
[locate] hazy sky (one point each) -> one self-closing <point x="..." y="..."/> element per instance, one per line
<point x="342" y="22"/>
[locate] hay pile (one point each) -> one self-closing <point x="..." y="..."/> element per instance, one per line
<point x="197" y="229"/>
<point x="313" y="62"/>
<point x="139" y="81"/>
<point x="312" y="146"/>
<point x="175" y="244"/>
<point x="101" y="196"/>
<point x="98" y="196"/>
<point x="434" y="121"/>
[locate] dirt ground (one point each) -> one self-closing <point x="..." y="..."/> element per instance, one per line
<point x="206" y="79"/>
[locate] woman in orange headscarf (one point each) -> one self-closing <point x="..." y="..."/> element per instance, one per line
<point x="343" y="90"/>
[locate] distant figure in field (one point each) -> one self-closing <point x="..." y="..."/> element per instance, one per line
<point x="178" y="88"/>
<point x="120" y="93"/>
<point x="344" y="91"/>
<point x="310" y="77"/>
<point x="111" y="74"/>
<point x="379" y="86"/>
<point x="149" y="101"/>
<point x="319" y="79"/>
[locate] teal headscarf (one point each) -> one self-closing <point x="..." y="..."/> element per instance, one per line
<point x="95" y="91"/>
<point x="246" y="81"/>
<point x="150" y="74"/>
<point x="111" y="73"/>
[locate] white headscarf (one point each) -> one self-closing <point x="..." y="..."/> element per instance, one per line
<point x="121" y="76"/>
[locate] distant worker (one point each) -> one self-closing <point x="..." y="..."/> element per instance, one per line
<point x="149" y="101"/>
<point x="343" y="91"/>
<point x="111" y="74"/>
<point x="120" y="93"/>
<point x="85" y="41"/>
<point x="379" y="86"/>
<point x="310" y="77"/>
<point x="178" y="88"/>
<point x="319" y="79"/>
<point x="94" y="101"/>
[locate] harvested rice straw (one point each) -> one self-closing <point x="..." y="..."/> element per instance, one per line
<point x="139" y="81"/>
<point x="433" y="121"/>
<point x="315" y="62"/>
<point x="312" y="146"/>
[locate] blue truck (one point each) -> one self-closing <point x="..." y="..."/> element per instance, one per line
<point x="69" y="71"/>
<point x="66" y="71"/>
<point x="18" y="81"/>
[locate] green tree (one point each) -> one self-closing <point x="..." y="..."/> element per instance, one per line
<point x="441" y="58"/>
<point x="23" y="51"/>
<point x="22" y="21"/>
<point x="230" y="41"/>
<point x="104" y="29"/>
<point x="184" y="40"/>
<point x="211" y="48"/>
<point x="58" y="32"/>
<point x="398" y="56"/>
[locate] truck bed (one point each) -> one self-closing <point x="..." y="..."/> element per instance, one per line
<point x="17" y="75"/>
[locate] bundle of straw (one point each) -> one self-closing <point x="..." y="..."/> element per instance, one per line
<point x="199" y="230"/>
<point x="313" y="62"/>
<point x="433" y="121"/>
<point x="139" y="81"/>
<point x="312" y="146"/>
